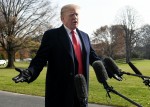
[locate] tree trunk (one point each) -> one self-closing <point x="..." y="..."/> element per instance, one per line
<point x="11" y="57"/>
<point x="127" y="53"/>
<point x="128" y="45"/>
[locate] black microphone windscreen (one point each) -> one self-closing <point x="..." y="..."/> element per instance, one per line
<point x="100" y="71"/>
<point x="134" y="68"/>
<point x="111" y="67"/>
<point x="81" y="86"/>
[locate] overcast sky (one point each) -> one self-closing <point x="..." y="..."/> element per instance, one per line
<point x="97" y="13"/>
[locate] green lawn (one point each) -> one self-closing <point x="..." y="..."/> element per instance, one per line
<point x="132" y="87"/>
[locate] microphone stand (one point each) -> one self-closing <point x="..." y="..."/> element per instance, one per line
<point x="146" y="79"/>
<point x="110" y="89"/>
<point x="138" y="75"/>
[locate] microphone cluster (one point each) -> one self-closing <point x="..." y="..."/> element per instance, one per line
<point x="105" y="69"/>
<point x="102" y="75"/>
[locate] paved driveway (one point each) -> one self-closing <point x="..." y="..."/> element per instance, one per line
<point x="8" y="99"/>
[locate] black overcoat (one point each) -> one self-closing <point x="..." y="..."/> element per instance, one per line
<point x="56" y="49"/>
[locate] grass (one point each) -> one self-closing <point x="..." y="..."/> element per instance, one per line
<point x="35" y="88"/>
<point x="131" y="87"/>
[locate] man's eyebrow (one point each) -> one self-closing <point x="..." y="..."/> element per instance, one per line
<point x="73" y="13"/>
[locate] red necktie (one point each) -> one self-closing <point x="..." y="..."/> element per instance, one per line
<point x="78" y="52"/>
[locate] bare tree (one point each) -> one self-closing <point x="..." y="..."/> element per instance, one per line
<point x="129" y="19"/>
<point x="102" y="36"/>
<point x="143" y="42"/>
<point x="144" y="35"/>
<point x="110" y="39"/>
<point x="21" y="19"/>
<point x="118" y="42"/>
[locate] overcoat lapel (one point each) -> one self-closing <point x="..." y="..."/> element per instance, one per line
<point x="65" y="40"/>
<point x="83" y="40"/>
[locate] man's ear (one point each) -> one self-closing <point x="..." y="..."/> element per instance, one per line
<point x="62" y="18"/>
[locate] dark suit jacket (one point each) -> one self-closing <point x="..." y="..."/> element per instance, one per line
<point x="56" y="48"/>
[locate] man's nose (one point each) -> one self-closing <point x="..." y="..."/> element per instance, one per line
<point x="75" y="16"/>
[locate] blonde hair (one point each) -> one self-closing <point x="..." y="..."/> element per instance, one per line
<point x="67" y="7"/>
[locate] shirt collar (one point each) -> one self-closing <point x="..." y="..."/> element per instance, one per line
<point x="68" y="30"/>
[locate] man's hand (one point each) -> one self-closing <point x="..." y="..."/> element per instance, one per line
<point x="24" y="76"/>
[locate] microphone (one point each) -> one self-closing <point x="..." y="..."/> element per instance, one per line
<point x="112" y="68"/>
<point x="101" y="73"/>
<point x="146" y="79"/>
<point x="81" y="89"/>
<point x="134" y="68"/>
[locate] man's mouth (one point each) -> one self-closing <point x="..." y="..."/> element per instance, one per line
<point x="75" y="22"/>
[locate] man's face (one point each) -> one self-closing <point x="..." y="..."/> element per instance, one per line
<point x="70" y="18"/>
